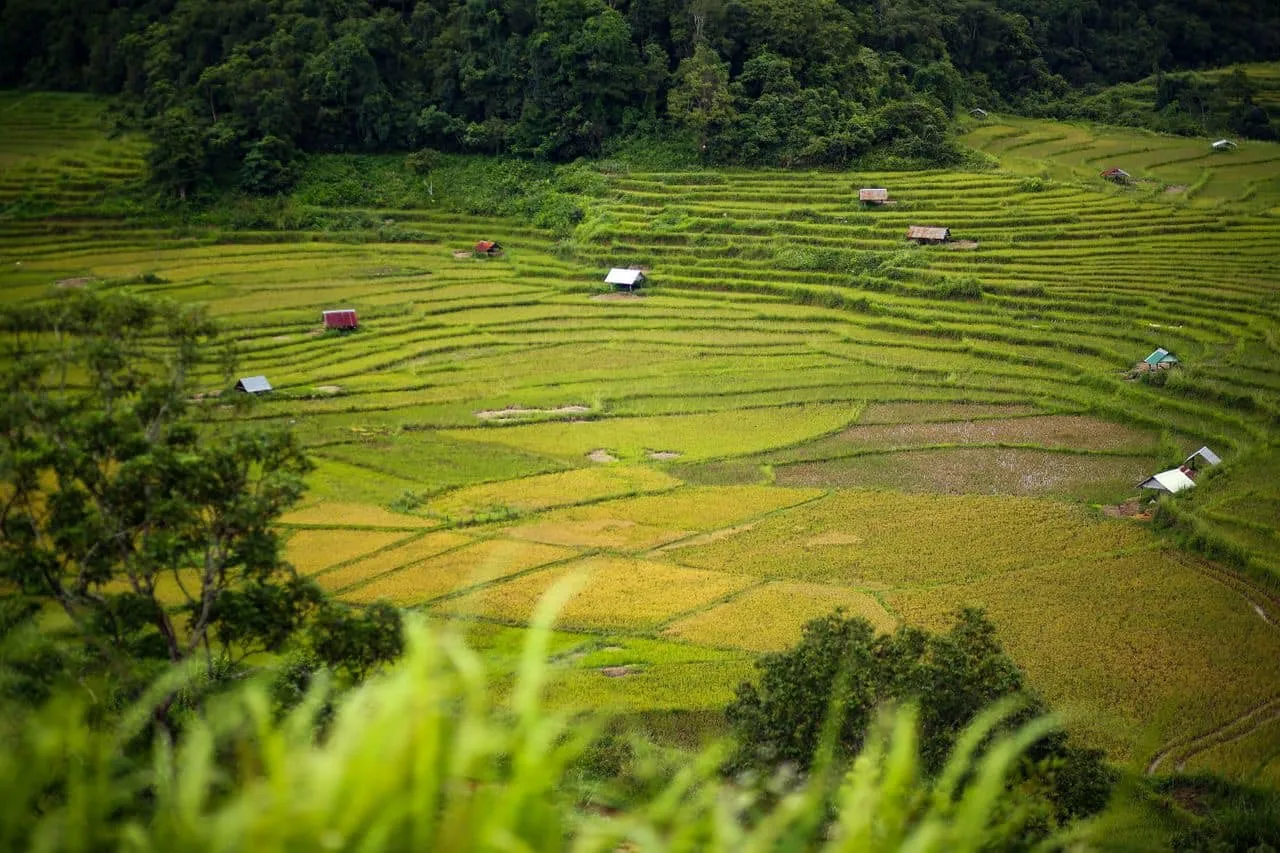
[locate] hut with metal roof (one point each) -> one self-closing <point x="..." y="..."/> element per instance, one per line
<point x="1203" y="456"/>
<point x="490" y="248"/>
<point x="873" y="195"/>
<point x="253" y="385"/>
<point x="343" y="319"/>
<point x="625" y="279"/>
<point x="978" y="113"/>
<point x="1171" y="482"/>
<point x="1161" y="359"/>
<point x="1224" y="145"/>
<point x="923" y="235"/>
<point x="1117" y="176"/>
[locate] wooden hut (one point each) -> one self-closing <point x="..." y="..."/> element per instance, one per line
<point x="924" y="235"/>
<point x="343" y="319"/>
<point x="871" y="195"/>
<point x="253" y="385"/>
<point x="489" y="248"/>
<point x="1117" y="176"/>
<point x="979" y="113"/>
<point x="625" y="279"/>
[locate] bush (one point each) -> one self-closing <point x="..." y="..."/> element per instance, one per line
<point x="430" y="756"/>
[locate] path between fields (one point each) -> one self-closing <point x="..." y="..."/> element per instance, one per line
<point x="1265" y="712"/>
<point x="1258" y="715"/>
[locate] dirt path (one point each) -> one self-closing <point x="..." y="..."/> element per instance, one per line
<point x="1267" y="606"/>
<point x="1226" y="733"/>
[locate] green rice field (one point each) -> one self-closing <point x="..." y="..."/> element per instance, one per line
<point x="801" y="412"/>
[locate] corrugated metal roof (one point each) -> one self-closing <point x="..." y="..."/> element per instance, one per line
<point x="487" y="246"/>
<point x="1171" y="481"/>
<point x="1224" y="143"/>
<point x="1206" y="454"/>
<point x="1161" y="356"/>
<point x="253" y="384"/>
<point x="340" y="318"/>
<point x="873" y="194"/>
<point x="928" y="232"/>
<point x="621" y="276"/>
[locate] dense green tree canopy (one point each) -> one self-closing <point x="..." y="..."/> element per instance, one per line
<point x="222" y="82"/>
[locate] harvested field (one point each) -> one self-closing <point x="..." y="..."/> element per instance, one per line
<point x="1056" y="431"/>
<point x="769" y="617"/>
<point x="977" y="471"/>
<point x="904" y="413"/>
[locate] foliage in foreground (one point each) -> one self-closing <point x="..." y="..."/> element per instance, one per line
<point x="426" y="757"/>
<point x="841" y="663"/>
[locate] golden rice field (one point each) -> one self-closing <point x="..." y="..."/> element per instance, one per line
<point x="799" y="414"/>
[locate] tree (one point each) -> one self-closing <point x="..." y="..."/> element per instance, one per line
<point x="150" y="530"/>
<point x="841" y="665"/>
<point x="700" y="99"/>
<point x="357" y="641"/>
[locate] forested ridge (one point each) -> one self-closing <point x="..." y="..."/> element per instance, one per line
<point x="232" y="90"/>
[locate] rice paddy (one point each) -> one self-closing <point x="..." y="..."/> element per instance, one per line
<point x="803" y="412"/>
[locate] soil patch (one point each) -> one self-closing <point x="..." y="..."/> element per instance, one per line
<point x="1131" y="508"/>
<point x="963" y="245"/>
<point x="461" y="256"/>
<point x="328" y="389"/>
<point x="1073" y="431"/>
<point x="515" y="412"/>
<point x="619" y="671"/>
<point x="282" y="337"/>
<point x="663" y="454"/>
<point x="601" y="455"/>
<point x="1174" y="189"/>
<point x="616" y="297"/>
<point x="901" y="413"/>
<point x="74" y="282"/>
<point x="983" y="471"/>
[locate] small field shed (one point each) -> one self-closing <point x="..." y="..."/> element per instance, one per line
<point x="1160" y="359"/>
<point x="627" y="280"/>
<point x="1171" y="481"/>
<point x="488" y="247"/>
<point x="1117" y="176"/>
<point x="1224" y="145"/>
<point x="253" y="385"/>
<point x="340" y="318"/>
<point x="978" y="113"/>
<point x="872" y="195"/>
<point x="923" y="235"/>
<point x="1202" y="456"/>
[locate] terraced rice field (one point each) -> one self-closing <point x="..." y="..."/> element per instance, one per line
<point x="798" y="415"/>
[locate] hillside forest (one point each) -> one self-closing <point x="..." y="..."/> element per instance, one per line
<point x="232" y="91"/>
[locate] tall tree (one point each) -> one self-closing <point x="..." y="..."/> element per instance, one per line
<point x="151" y="531"/>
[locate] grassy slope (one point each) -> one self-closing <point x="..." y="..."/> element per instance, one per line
<point x="792" y="339"/>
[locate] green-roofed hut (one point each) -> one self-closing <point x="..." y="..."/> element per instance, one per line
<point x="1161" y="358"/>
